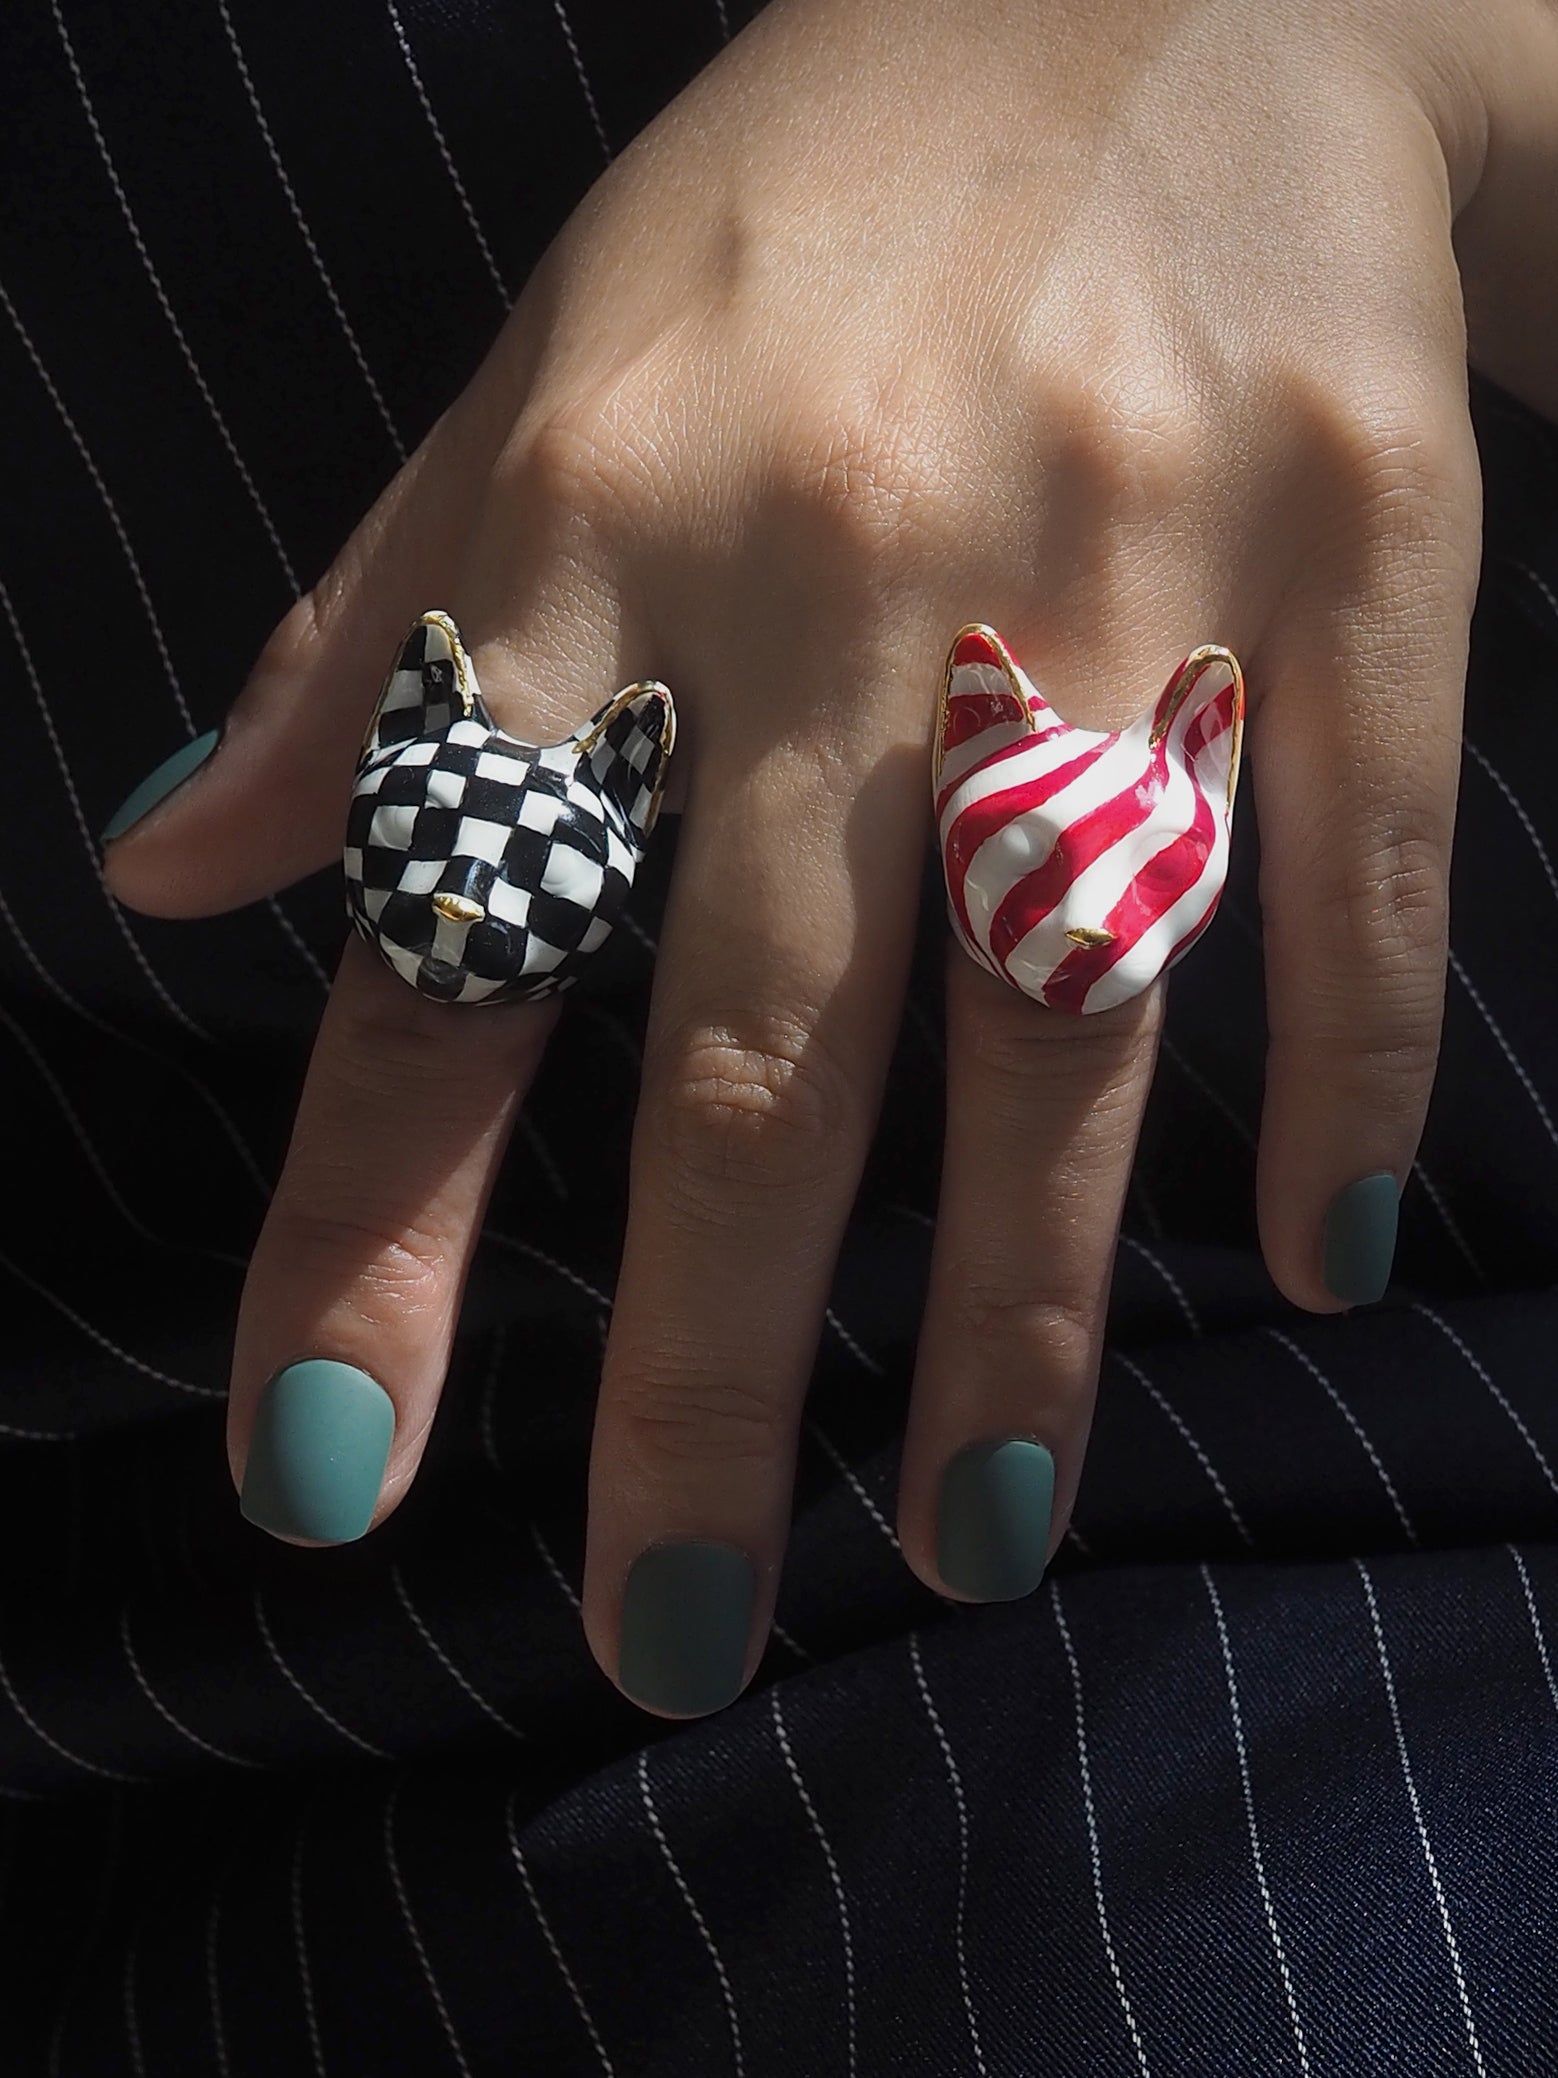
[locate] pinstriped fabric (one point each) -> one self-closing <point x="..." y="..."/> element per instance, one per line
<point x="1259" y="1782"/>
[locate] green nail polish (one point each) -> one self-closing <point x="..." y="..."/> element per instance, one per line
<point x="1360" y="1239"/>
<point x="686" y="1622"/>
<point x="321" y="1441"/>
<point x="993" y="1527"/>
<point x="158" y="785"/>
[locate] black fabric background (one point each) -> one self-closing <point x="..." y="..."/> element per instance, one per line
<point x="1261" y="1779"/>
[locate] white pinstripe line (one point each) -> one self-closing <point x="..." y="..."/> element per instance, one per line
<point x="300" y="1947"/>
<point x="443" y="1659"/>
<point x="1201" y="1457"/>
<point x="635" y="929"/>
<point x="1536" y="1622"/>
<point x="1248" y="931"/>
<point x="1149" y="1210"/>
<point x="220" y="1753"/>
<point x="859" y="1491"/>
<point x="550" y="1262"/>
<point x="724" y="30"/>
<point x="103" y="492"/>
<point x="866" y="1363"/>
<point x="444" y="153"/>
<point x="1417" y="1814"/>
<point x="132" y="2024"/>
<point x="546" y="1161"/>
<point x="141" y="961"/>
<point x="161" y="294"/>
<point x="956" y="1780"/>
<point x="551" y="1940"/>
<point x="1352" y="1422"/>
<point x="39" y="1435"/>
<point x="1526" y="823"/>
<point x="304" y="1695"/>
<point x="95" y="1161"/>
<point x="489" y="1389"/>
<point x="307" y="235"/>
<point x="1540" y="582"/>
<point x="1504" y="1046"/>
<point x="692" y="1906"/>
<point x="1173" y="1283"/>
<point x="213" y="1982"/>
<point x="792" y="1644"/>
<point x="1486" y="1376"/>
<point x="201" y="1392"/>
<point x="583" y="78"/>
<point x="1450" y="1226"/>
<point x="1094" y="1854"/>
<point x="174" y="1067"/>
<point x="556" y="1571"/>
<point x="105" y="1890"/>
<point x="1073" y="1536"/>
<point x="1249" y="1812"/>
<point x="416" y="1939"/>
<point x="1212" y="1096"/>
<point x="54" y="1745"/>
<point x="833" y="1869"/>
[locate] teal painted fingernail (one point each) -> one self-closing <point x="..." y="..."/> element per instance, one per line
<point x="158" y="785"/>
<point x="686" y="1620"/>
<point x="993" y="1528"/>
<point x="321" y="1441"/>
<point x="1360" y="1239"/>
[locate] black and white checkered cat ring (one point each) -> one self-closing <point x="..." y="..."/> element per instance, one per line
<point x="486" y="870"/>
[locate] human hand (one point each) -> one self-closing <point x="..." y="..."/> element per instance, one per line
<point x="1124" y="326"/>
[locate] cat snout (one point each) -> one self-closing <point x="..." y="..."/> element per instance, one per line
<point x="459" y="909"/>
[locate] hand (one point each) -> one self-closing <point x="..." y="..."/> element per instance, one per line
<point x="1125" y="326"/>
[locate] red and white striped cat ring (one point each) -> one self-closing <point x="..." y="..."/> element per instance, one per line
<point x="1080" y="865"/>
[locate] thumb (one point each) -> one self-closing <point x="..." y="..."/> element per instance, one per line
<point x="267" y="805"/>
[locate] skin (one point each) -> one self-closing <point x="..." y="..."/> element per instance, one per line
<point x="1125" y="325"/>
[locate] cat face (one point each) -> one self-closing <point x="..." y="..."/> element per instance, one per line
<point x="1081" y="865"/>
<point x="484" y="869"/>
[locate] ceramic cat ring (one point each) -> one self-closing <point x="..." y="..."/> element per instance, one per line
<point x="1080" y="866"/>
<point x="483" y="869"/>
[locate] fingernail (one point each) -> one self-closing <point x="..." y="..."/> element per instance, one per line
<point x="993" y="1528"/>
<point x="158" y="785"/>
<point x="686" y="1621"/>
<point x="316" y="1459"/>
<point x="1360" y="1239"/>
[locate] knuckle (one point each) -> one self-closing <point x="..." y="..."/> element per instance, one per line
<point x="1129" y="442"/>
<point x="852" y="467"/>
<point x="670" y="1411"/>
<point x="583" y="458"/>
<point x="382" y="1271"/>
<point x="1394" y="903"/>
<point x="1406" y="467"/>
<point x="1029" y="1336"/>
<point x="392" y="1061"/>
<point x="760" y="1109"/>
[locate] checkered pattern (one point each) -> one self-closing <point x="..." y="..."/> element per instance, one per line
<point x="545" y="842"/>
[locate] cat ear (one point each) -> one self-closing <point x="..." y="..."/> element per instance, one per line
<point x="1211" y="684"/>
<point x="626" y="745"/>
<point x="986" y="688"/>
<point x="430" y="685"/>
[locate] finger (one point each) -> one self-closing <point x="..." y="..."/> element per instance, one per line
<point x="1043" y="1111"/>
<point x="354" y="1287"/>
<point x="1355" y="749"/>
<point x="265" y="807"/>
<point x="781" y="974"/>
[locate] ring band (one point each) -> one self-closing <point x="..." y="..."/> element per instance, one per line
<point x="1081" y="865"/>
<point x="483" y="869"/>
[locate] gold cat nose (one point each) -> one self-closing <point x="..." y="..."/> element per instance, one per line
<point x="458" y="909"/>
<point x="1084" y="934"/>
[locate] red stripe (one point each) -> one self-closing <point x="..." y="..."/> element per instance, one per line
<point x="970" y="714"/>
<point x="1167" y="876"/>
<point x="984" y="818"/>
<point x="976" y="649"/>
<point x="998" y="757"/>
<point x="1029" y="900"/>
